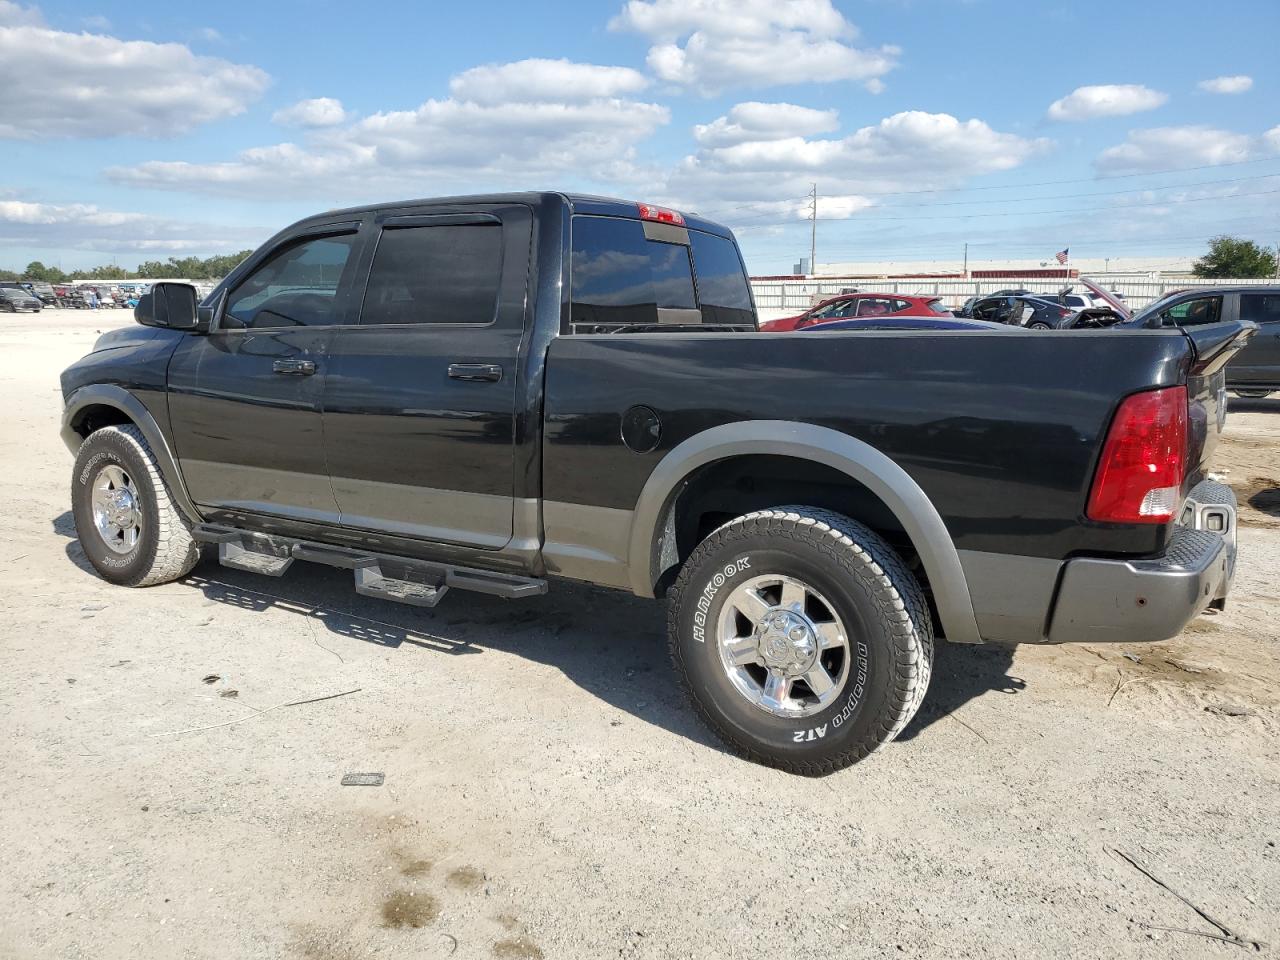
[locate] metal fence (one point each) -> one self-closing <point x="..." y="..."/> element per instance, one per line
<point x="773" y="296"/>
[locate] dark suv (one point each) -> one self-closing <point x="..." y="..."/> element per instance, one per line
<point x="1255" y="370"/>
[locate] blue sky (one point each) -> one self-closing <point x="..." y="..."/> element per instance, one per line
<point x="136" y="131"/>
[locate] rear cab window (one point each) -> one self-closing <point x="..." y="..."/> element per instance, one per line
<point x="633" y="276"/>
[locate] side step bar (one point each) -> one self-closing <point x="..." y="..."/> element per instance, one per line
<point x="421" y="583"/>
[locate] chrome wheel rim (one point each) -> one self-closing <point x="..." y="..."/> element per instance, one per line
<point x="783" y="646"/>
<point x="117" y="514"/>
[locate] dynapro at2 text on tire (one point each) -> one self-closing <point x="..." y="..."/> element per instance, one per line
<point x="802" y="637"/>
<point x="127" y="524"/>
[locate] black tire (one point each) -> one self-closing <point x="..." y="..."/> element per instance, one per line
<point x="867" y="586"/>
<point x="165" y="549"/>
<point x="1038" y="326"/>
<point x="1252" y="394"/>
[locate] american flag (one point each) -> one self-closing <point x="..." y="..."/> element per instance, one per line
<point x="1061" y="256"/>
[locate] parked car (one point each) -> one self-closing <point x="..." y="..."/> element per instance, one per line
<point x="16" y="300"/>
<point x="1020" y="311"/>
<point x="1253" y="372"/>
<point x="861" y="305"/>
<point x="44" y="292"/>
<point x="525" y="389"/>
<point x="906" y="323"/>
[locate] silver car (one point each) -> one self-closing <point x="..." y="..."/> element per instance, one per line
<point x="14" y="300"/>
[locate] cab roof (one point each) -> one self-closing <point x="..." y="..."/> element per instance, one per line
<point x="579" y="203"/>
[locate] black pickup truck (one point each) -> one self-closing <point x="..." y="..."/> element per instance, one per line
<point x="486" y="393"/>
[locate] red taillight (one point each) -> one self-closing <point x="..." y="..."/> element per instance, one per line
<point x="1063" y="314"/>
<point x="1139" y="478"/>
<point x="660" y="214"/>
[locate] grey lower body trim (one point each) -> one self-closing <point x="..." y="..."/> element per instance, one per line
<point x="448" y="516"/>
<point x="284" y="493"/>
<point x="1140" y="601"/>
<point x="1012" y="595"/>
<point x="587" y="543"/>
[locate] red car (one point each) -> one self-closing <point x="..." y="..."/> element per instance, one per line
<point x="856" y="305"/>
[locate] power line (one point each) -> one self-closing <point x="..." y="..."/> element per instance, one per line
<point x="966" y="216"/>
<point x="1060" y="196"/>
<point x="1054" y="183"/>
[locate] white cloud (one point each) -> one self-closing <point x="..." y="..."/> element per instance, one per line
<point x="1237" y="84"/>
<point x="540" y="81"/>
<point x="765" y="121"/>
<point x="451" y="144"/>
<point x="1106" y="100"/>
<point x="319" y="112"/>
<point x="13" y="15"/>
<point x="713" y="45"/>
<point x="59" y="84"/>
<point x="211" y="34"/>
<point x="739" y="180"/>
<point x="84" y="226"/>
<point x="1171" y="148"/>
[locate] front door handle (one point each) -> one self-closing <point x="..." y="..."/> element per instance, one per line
<point x="294" y="368"/>
<point x="487" y="372"/>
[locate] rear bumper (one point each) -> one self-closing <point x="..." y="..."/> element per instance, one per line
<point x="1148" y="600"/>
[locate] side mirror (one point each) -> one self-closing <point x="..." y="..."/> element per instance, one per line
<point x="171" y="305"/>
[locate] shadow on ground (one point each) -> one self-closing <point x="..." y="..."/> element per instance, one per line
<point x="1270" y="404"/>
<point x="609" y="643"/>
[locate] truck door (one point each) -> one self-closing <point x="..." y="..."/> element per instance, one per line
<point x="1258" y="364"/>
<point x="420" y="402"/>
<point x="244" y="401"/>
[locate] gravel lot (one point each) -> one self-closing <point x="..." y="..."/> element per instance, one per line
<point x="548" y="793"/>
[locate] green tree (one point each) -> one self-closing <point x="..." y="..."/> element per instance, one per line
<point x="1235" y="257"/>
<point x="187" y="268"/>
<point x="39" y="272"/>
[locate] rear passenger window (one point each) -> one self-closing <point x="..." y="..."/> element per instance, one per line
<point x="622" y="278"/>
<point x="1260" y="307"/>
<point x="723" y="292"/>
<point x="434" y="274"/>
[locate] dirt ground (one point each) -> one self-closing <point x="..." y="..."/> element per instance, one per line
<point x="549" y="794"/>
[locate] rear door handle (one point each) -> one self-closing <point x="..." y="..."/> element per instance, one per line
<point x="294" y="368"/>
<point x="487" y="372"/>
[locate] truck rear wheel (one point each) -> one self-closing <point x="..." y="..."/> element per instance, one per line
<point x="127" y="524"/>
<point x="801" y="637"/>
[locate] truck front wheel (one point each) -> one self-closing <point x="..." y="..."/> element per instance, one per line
<point x="127" y="524"/>
<point x="801" y="637"/>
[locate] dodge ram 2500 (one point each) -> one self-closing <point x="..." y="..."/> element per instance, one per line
<point x="487" y="393"/>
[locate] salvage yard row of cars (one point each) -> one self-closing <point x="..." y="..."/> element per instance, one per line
<point x="1254" y="372"/>
<point x="19" y="297"/>
<point x="494" y="393"/>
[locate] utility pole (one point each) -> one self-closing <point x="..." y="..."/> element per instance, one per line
<point x="813" y="231"/>
<point x="966" y="261"/>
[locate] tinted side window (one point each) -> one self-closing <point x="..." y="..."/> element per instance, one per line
<point x="876" y="306"/>
<point x="723" y="292"/>
<point x="1260" y="307"/>
<point x="295" y="287"/>
<point x="620" y="277"/>
<point x="441" y="274"/>
<point x="1191" y="313"/>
